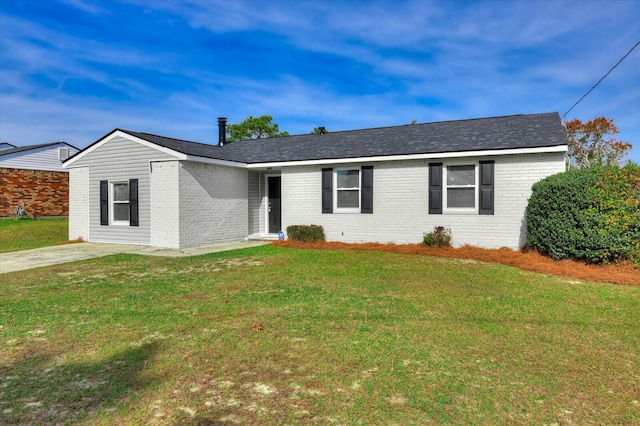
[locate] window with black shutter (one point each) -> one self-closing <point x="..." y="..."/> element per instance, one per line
<point x="366" y="192"/>
<point x="486" y="187"/>
<point x="133" y="202"/>
<point x="104" y="202"/>
<point x="327" y="190"/>
<point x="435" y="188"/>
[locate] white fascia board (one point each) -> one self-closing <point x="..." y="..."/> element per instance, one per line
<point x="120" y="133"/>
<point x="216" y="161"/>
<point x="438" y="155"/>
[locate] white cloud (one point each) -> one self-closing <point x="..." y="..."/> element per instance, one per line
<point x="428" y="60"/>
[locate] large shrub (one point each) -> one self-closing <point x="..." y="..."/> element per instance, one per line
<point x="587" y="214"/>
<point x="306" y="233"/>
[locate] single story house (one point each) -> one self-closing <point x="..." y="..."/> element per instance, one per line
<point x="389" y="184"/>
<point x="32" y="176"/>
<point x="6" y="145"/>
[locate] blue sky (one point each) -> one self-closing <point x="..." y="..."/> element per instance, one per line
<point x="73" y="70"/>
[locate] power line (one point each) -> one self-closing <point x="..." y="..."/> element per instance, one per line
<point x="599" y="81"/>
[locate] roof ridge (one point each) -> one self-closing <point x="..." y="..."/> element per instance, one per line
<point x="16" y="149"/>
<point x="460" y="120"/>
<point x="165" y="137"/>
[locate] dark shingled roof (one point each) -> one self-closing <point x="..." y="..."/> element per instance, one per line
<point x="30" y="147"/>
<point x="6" y="145"/>
<point x="495" y="133"/>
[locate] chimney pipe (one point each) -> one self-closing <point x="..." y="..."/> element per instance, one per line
<point x="222" y="131"/>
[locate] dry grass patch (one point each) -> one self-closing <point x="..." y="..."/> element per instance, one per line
<point x="621" y="273"/>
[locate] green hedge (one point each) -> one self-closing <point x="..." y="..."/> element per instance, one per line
<point x="305" y="233"/>
<point x="587" y="214"/>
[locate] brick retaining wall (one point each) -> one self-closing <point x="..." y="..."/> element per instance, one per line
<point x="43" y="192"/>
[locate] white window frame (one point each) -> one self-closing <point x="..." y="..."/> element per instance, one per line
<point x="112" y="202"/>
<point x="337" y="209"/>
<point x="475" y="186"/>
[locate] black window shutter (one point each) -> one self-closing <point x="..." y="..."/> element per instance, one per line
<point x="104" y="202"/>
<point x="435" y="188"/>
<point x="327" y="191"/>
<point x="133" y="202"/>
<point x="366" y="192"/>
<point x="486" y="187"/>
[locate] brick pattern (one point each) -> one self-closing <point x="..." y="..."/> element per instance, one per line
<point x="400" y="202"/>
<point x="45" y="193"/>
<point x="213" y="204"/>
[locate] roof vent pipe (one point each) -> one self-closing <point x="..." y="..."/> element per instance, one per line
<point x="222" y="131"/>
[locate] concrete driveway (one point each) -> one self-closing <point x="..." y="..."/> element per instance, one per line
<point x="54" y="255"/>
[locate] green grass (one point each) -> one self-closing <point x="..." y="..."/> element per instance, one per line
<point x="24" y="234"/>
<point x="347" y="337"/>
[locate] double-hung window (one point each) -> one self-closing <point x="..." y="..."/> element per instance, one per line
<point x="348" y="190"/>
<point x="120" y="202"/>
<point x="461" y="187"/>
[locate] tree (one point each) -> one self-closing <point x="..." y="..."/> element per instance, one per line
<point x="588" y="145"/>
<point x="319" y="131"/>
<point x="254" y="128"/>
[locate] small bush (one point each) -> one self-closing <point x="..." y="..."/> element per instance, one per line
<point x="306" y="233"/>
<point x="440" y="237"/>
<point x="587" y="214"/>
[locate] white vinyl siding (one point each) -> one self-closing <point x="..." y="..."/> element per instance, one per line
<point x="119" y="160"/>
<point x="45" y="158"/>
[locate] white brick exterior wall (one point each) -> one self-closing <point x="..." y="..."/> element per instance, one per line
<point x="400" y="202"/>
<point x="256" y="202"/>
<point x="79" y="203"/>
<point x="165" y="209"/>
<point x="213" y="204"/>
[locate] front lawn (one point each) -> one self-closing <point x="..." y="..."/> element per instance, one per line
<point x="271" y="335"/>
<point x="24" y="234"/>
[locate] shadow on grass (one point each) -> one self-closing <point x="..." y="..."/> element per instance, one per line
<point x="32" y="391"/>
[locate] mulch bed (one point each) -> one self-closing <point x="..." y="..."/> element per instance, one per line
<point x="621" y="273"/>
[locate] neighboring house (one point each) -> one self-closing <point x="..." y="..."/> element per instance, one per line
<point x="32" y="176"/>
<point x="6" y="145"/>
<point x="388" y="184"/>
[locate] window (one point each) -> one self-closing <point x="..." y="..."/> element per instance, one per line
<point x="348" y="190"/>
<point x="465" y="188"/>
<point x="120" y="200"/>
<point x="461" y="187"/>
<point x="63" y="154"/>
<point x="119" y="203"/>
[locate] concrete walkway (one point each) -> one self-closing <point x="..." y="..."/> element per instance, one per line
<point x="54" y="255"/>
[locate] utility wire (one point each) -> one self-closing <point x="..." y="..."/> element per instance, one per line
<point x="599" y="81"/>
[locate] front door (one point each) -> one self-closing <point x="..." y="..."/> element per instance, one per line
<point x="274" y="204"/>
